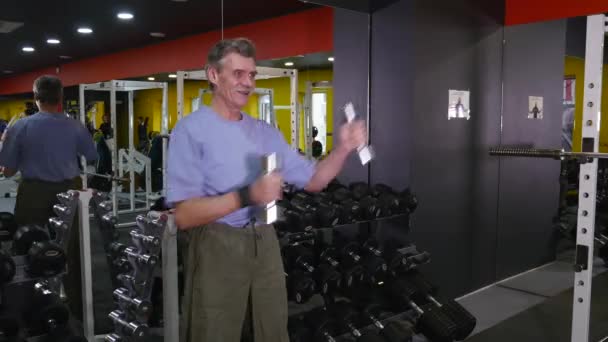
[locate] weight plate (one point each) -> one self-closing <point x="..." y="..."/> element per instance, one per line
<point x="46" y="259"/>
<point x="26" y="235"/>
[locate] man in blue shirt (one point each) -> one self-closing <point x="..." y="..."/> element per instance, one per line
<point x="216" y="186"/>
<point x="45" y="148"/>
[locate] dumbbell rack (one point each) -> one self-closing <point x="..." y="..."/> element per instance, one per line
<point x="103" y="209"/>
<point x="22" y="282"/>
<point x="311" y="235"/>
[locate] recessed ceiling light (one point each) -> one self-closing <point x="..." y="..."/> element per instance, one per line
<point x="172" y="76"/>
<point x="151" y="78"/>
<point x="28" y="49"/>
<point x="288" y="63"/>
<point x="125" y="16"/>
<point x="157" y="34"/>
<point x="53" y="41"/>
<point x="85" y="30"/>
<point x="65" y="57"/>
<point x="8" y="71"/>
<point x="331" y="59"/>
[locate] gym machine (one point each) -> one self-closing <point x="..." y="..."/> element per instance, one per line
<point x="32" y="267"/>
<point x="263" y="73"/>
<point x="588" y="158"/>
<point x="308" y="115"/>
<point x="130" y="87"/>
<point x="136" y="162"/>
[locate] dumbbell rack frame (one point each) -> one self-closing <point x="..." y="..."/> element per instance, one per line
<point x="169" y="275"/>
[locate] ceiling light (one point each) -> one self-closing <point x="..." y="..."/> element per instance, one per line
<point x="28" y="49"/>
<point x="172" y="76"/>
<point x="125" y="16"/>
<point x="288" y="63"/>
<point x="53" y="41"/>
<point x="65" y="57"/>
<point x="8" y="71"/>
<point x="151" y="78"/>
<point x="331" y="59"/>
<point x="157" y="34"/>
<point x="85" y="30"/>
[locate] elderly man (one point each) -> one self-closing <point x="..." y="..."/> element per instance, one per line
<point x="215" y="183"/>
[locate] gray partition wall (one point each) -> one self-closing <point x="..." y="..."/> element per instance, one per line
<point x="482" y="218"/>
<point x="529" y="188"/>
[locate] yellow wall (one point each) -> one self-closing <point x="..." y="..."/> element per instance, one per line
<point x="148" y="102"/>
<point x="10" y="108"/>
<point x="575" y="66"/>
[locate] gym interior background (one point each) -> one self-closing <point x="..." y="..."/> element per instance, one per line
<point x="488" y="223"/>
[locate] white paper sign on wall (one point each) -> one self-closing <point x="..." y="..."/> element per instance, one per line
<point x="458" y="107"/>
<point x="535" y="108"/>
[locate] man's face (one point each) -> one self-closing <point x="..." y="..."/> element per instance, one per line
<point x="106" y="118"/>
<point x="235" y="81"/>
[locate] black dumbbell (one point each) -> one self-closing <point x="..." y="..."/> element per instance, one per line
<point x="401" y="258"/>
<point x="457" y="313"/>
<point x="350" y="275"/>
<point x="9" y="328"/>
<point x="409" y="201"/>
<point x="139" y="308"/>
<point x="47" y="312"/>
<point x="359" y="190"/>
<point x="26" y="235"/>
<point x="392" y="331"/>
<point x="350" y="260"/>
<point x="7" y="268"/>
<point x="375" y="266"/>
<point x="370" y="208"/>
<point x="298" y="260"/>
<point x="323" y="215"/>
<point x="135" y="331"/>
<point x="44" y="258"/>
<point x="298" y="330"/>
<point x="432" y="321"/>
<point x="322" y="325"/>
<point x="8" y="226"/>
<point x="348" y="320"/>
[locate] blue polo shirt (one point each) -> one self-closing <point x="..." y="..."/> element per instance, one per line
<point x="210" y="155"/>
<point x="47" y="147"/>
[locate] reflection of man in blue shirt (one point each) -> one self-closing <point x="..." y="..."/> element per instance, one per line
<point x="45" y="148"/>
<point x="215" y="183"/>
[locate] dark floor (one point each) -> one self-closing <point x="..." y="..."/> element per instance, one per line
<point x="551" y="320"/>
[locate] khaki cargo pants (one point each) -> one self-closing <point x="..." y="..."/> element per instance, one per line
<point x="234" y="277"/>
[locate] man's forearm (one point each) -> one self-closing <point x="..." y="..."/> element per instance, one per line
<point x="327" y="169"/>
<point x="199" y="211"/>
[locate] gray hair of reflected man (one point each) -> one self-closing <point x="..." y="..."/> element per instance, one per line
<point x="48" y="89"/>
<point x="221" y="49"/>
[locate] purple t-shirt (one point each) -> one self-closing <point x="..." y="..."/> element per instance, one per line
<point x="210" y="155"/>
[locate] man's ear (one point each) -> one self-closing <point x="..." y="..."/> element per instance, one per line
<point x="213" y="75"/>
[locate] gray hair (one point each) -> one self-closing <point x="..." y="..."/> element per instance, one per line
<point x="221" y="49"/>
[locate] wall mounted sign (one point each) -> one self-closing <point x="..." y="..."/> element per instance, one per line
<point x="458" y="107"/>
<point x="535" y="108"/>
